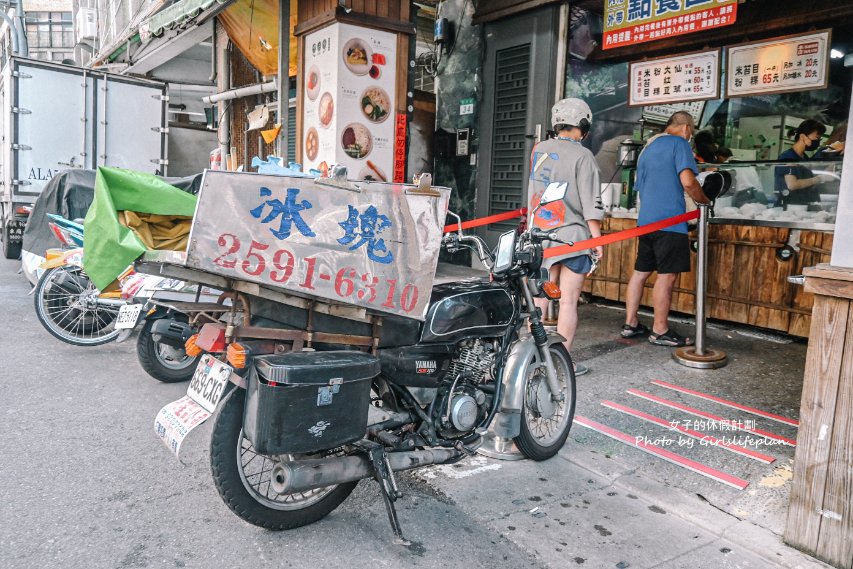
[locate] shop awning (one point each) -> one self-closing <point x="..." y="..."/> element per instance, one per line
<point x="253" y="27"/>
<point x="178" y="14"/>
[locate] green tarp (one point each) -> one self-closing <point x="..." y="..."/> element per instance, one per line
<point x="110" y="246"/>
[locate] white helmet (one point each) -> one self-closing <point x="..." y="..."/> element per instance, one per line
<point x="572" y="112"/>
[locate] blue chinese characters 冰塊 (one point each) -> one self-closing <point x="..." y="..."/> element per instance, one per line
<point x="290" y="212"/>
<point x="363" y="229"/>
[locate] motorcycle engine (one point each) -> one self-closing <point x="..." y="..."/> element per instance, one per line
<point x="461" y="404"/>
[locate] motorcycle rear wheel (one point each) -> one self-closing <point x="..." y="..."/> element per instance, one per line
<point x="249" y="494"/>
<point x="61" y="311"/>
<point x="544" y="429"/>
<point x="158" y="363"/>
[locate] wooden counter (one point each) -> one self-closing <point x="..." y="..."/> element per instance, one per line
<point x="746" y="282"/>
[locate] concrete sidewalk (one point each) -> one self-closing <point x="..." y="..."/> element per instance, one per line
<point x="602" y="503"/>
<point x="584" y="509"/>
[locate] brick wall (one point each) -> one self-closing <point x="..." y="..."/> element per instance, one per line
<point x="242" y="74"/>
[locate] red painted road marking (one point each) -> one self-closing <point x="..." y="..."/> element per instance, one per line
<point x="664" y="454"/>
<point x="711" y="416"/>
<point x="727" y="403"/>
<point x="711" y="441"/>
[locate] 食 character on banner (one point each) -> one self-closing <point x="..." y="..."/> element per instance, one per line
<point x="665" y="171"/>
<point x="577" y="216"/>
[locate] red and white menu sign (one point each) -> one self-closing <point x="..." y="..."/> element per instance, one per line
<point x="692" y="77"/>
<point x="777" y="66"/>
<point x="349" y="105"/>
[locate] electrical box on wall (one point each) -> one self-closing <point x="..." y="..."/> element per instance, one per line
<point x="463" y="136"/>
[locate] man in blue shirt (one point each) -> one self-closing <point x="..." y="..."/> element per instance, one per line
<point x="665" y="171"/>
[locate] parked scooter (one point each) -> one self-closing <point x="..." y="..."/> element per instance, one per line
<point x="295" y="431"/>
<point x="155" y="308"/>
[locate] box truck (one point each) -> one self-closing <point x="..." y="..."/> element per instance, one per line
<point x="54" y="117"/>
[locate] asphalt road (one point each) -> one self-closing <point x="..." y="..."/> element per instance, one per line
<point x="86" y="483"/>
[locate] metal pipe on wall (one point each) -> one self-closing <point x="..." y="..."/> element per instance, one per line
<point x="283" y="75"/>
<point x="240" y="92"/>
<point x="13" y="33"/>
<point x="224" y="135"/>
<point x="562" y="51"/>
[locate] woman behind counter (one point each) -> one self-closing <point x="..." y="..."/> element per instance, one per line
<point x="797" y="184"/>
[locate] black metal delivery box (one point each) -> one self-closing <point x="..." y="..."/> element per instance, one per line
<point x="304" y="402"/>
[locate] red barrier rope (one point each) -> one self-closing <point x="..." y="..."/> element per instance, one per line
<point x="621" y="235"/>
<point x="587" y="243"/>
<point x="487" y="220"/>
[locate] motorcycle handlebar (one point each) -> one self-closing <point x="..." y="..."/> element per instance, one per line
<point x="542" y="234"/>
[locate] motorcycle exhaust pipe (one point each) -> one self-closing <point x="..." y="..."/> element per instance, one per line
<point x="304" y="475"/>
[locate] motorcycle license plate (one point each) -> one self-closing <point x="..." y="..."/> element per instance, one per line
<point x="208" y="382"/>
<point x="127" y="316"/>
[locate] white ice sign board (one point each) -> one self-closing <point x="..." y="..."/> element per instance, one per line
<point x="778" y="66"/>
<point x="691" y="77"/>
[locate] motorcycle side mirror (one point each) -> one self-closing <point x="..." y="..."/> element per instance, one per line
<point x="458" y="221"/>
<point x="715" y="184"/>
<point x="553" y="193"/>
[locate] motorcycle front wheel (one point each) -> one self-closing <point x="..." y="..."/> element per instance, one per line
<point x="163" y="362"/>
<point x="242" y="477"/>
<point x="66" y="305"/>
<point x="545" y="424"/>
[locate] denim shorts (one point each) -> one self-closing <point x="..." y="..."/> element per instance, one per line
<point x="580" y="265"/>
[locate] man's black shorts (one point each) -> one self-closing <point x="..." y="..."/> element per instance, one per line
<point x="664" y="252"/>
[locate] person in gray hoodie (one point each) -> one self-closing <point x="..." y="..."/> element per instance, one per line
<point x="577" y="216"/>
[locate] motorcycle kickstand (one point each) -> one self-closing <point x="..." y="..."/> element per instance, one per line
<point x="387" y="485"/>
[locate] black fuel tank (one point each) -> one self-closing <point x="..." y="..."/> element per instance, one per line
<point x="416" y="366"/>
<point x="467" y="309"/>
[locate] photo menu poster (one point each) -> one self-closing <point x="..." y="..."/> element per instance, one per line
<point x="320" y="78"/>
<point x="350" y="90"/>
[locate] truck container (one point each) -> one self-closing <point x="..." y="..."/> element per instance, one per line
<point x="54" y="117"/>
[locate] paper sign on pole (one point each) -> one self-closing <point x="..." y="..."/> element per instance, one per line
<point x="782" y="65"/>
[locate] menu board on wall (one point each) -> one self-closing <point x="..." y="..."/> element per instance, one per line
<point x="629" y="22"/>
<point x="793" y="63"/>
<point x="350" y="90"/>
<point x="691" y="77"/>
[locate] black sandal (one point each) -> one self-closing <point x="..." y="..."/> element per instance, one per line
<point x="629" y="331"/>
<point x="670" y="338"/>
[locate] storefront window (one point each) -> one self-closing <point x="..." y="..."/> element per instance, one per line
<point x="751" y="134"/>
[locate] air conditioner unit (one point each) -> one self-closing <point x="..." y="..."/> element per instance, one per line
<point x="86" y="24"/>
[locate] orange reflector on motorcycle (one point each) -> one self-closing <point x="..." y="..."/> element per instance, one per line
<point x="551" y="290"/>
<point x="23" y="210"/>
<point x="236" y="355"/>
<point x="191" y="348"/>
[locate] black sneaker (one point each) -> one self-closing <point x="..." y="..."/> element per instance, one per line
<point x="670" y="338"/>
<point x="629" y="331"/>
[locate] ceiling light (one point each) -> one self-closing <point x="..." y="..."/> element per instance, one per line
<point x="836" y="54"/>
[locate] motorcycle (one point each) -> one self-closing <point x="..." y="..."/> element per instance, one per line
<point x="67" y="303"/>
<point x="295" y="431"/>
<point x="156" y="307"/>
